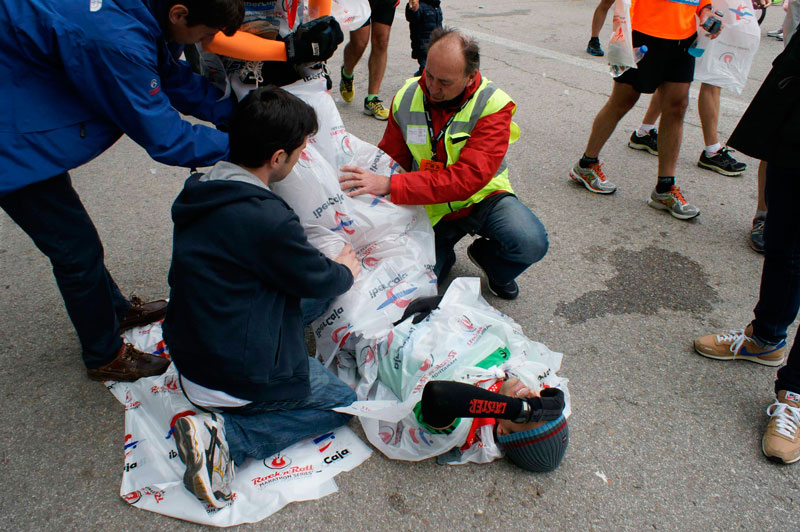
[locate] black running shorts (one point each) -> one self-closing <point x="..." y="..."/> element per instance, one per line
<point x="665" y="60"/>
<point x="382" y="11"/>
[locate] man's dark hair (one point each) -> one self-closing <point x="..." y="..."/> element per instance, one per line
<point x="267" y="120"/>
<point x="226" y="15"/>
<point x="470" y="49"/>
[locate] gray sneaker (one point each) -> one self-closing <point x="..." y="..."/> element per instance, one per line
<point x="592" y="178"/>
<point x="201" y="444"/>
<point x="674" y="203"/>
<point x="757" y="235"/>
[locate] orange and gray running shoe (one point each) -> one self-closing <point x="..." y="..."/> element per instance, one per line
<point x="593" y="178"/>
<point x="673" y="202"/>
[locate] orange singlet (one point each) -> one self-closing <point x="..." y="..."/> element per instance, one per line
<point x="666" y="19"/>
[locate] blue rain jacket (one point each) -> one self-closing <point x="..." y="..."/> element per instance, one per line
<point x="77" y="74"/>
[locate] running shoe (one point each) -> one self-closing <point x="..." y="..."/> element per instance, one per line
<point x="674" y="203"/>
<point x="375" y="108"/>
<point x="757" y="235"/>
<point x="346" y="86"/>
<point x="593" y="48"/>
<point x="201" y="444"/>
<point x="593" y="178"/>
<point x="648" y="143"/>
<point x="251" y="74"/>
<point x="777" y="34"/>
<point x="722" y="163"/>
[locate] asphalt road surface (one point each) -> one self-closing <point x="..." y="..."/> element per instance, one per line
<point x="661" y="439"/>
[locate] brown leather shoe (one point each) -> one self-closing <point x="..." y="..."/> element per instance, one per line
<point x="130" y="364"/>
<point x="142" y="313"/>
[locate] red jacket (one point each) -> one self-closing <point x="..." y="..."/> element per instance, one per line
<point x="477" y="164"/>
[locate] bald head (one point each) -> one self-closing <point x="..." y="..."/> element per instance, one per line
<point x="457" y="44"/>
<point x="452" y="65"/>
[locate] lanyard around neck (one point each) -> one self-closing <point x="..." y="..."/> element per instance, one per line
<point x="435" y="139"/>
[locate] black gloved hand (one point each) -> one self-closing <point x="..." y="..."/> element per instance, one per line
<point x="548" y="406"/>
<point x="314" y="41"/>
<point x="420" y="308"/>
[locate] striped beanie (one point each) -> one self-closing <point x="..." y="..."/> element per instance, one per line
<point x="540" y="449"/>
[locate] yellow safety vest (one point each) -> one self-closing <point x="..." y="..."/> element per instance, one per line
<point x="408" y="111"/>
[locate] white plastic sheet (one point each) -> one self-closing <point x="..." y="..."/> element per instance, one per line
<point x="394" y="243"/>
<point x="726" y="60"/>
<point x="152" y="474"/>
<point x="389" y="375"/>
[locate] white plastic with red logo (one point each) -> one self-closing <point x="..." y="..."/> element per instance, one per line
<point x="449" y="344"/>
<point x="152" y="474"/>
<point x="394" y="243"/>
<point x="727" y="59"/>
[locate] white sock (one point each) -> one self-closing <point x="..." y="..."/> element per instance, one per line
<point x="644" y="129"/>
<point x="714" y="148"/>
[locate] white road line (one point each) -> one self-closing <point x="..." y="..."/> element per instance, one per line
<point x="586" y="64"/>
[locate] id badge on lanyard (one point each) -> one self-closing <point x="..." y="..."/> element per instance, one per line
<point x="434" y="163"/>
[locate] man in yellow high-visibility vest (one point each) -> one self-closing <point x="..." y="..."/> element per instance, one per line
<point x="450" y="129"/>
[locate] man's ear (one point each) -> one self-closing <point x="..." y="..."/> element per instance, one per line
<point x="177" y="14"/>
<point x="278" y="158"/>
<point x="471" y="79"/>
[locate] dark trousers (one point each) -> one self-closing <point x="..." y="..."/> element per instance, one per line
<point x="779" y="298"/>
<point x="51" y="213"/>
<point x="421" y="24"/>
<point x="513" y="238"/>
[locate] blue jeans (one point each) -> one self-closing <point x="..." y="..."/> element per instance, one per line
<point x="259" y="430"/>
<point x="51" y="213"/>
<point x="513" y="239"/>
<point x="779" y="298"/>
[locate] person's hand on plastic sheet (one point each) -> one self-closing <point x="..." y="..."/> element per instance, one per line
<point x="314" y="41"/>
<point x="357" y="181"/>
<point x="348" y="258"/>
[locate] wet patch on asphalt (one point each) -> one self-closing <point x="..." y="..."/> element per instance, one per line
<point x="646" y="282"/>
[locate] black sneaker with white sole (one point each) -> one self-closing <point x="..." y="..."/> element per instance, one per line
<point x="722" y="163"/>
<point x="648" y="143"/>
<point x="594" y="48"/>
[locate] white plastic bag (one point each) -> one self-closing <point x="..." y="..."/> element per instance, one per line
<point x="620" y="47"/>
<point x="726" y="60"/>
<point x="350" y="14"/>
<point x="394" y="243"/>
<point x="464" y="340"/>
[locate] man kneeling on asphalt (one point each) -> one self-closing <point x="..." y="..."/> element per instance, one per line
<point x="240" y="264"/>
